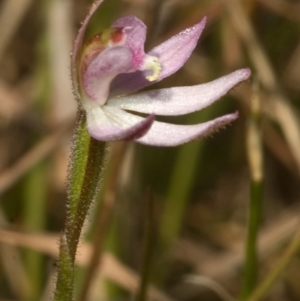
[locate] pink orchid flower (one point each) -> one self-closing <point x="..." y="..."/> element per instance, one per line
<point x="112" y="65"/>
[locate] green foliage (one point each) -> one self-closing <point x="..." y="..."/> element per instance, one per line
<point x="87" y="160"/>
<point x="65" y="279"/>
<point x="78" y="163"/>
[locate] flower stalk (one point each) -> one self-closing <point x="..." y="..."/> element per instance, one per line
<point x="87" y="160"/>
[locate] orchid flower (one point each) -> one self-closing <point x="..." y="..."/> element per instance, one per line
<point x="112" y="65"/>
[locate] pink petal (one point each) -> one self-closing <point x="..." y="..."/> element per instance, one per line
<point x="165" y="134"/>
<point x="78" y="45"/>
<point x="135" y="31"/>
<point x="180" y="100"/>
<point x="172" y="54"/>
<point x="97" y="77"/>
<point x="108" y="125"/>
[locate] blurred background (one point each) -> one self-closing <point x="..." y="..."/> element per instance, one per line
<point x="178" y="215"/>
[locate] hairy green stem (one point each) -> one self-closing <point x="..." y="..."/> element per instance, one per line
<point x="90" y="187"/>
<point x="79" y="157"/>
<point x="65" y="279"/>
<point x="85" y="172"/>
<point x="104" y="216"/>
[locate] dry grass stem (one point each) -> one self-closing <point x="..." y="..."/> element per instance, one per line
<point x="278" y="268"/>
<point x="111" y="268"/>
<point x="213" y="266"/>
<point x="210" y="284"/>
<point x="49" y="287"/>
<point x="272" y="139"/>
<point x="33" y="156"/>
<point x="60" y="35"/>
<point x="14" y="100"/>
<point x="280" y="107"/>
<point x="254" y="143"/>
<point x="292" y="72"/>
<point x="8" y="24"/>
<point x="283" y="8"/>
<point x="279" y="148"/>
<point x="223" y="266"/>
<point x="13" y="267"/>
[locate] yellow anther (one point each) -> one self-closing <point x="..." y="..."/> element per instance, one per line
<point x="152" y="63"/>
